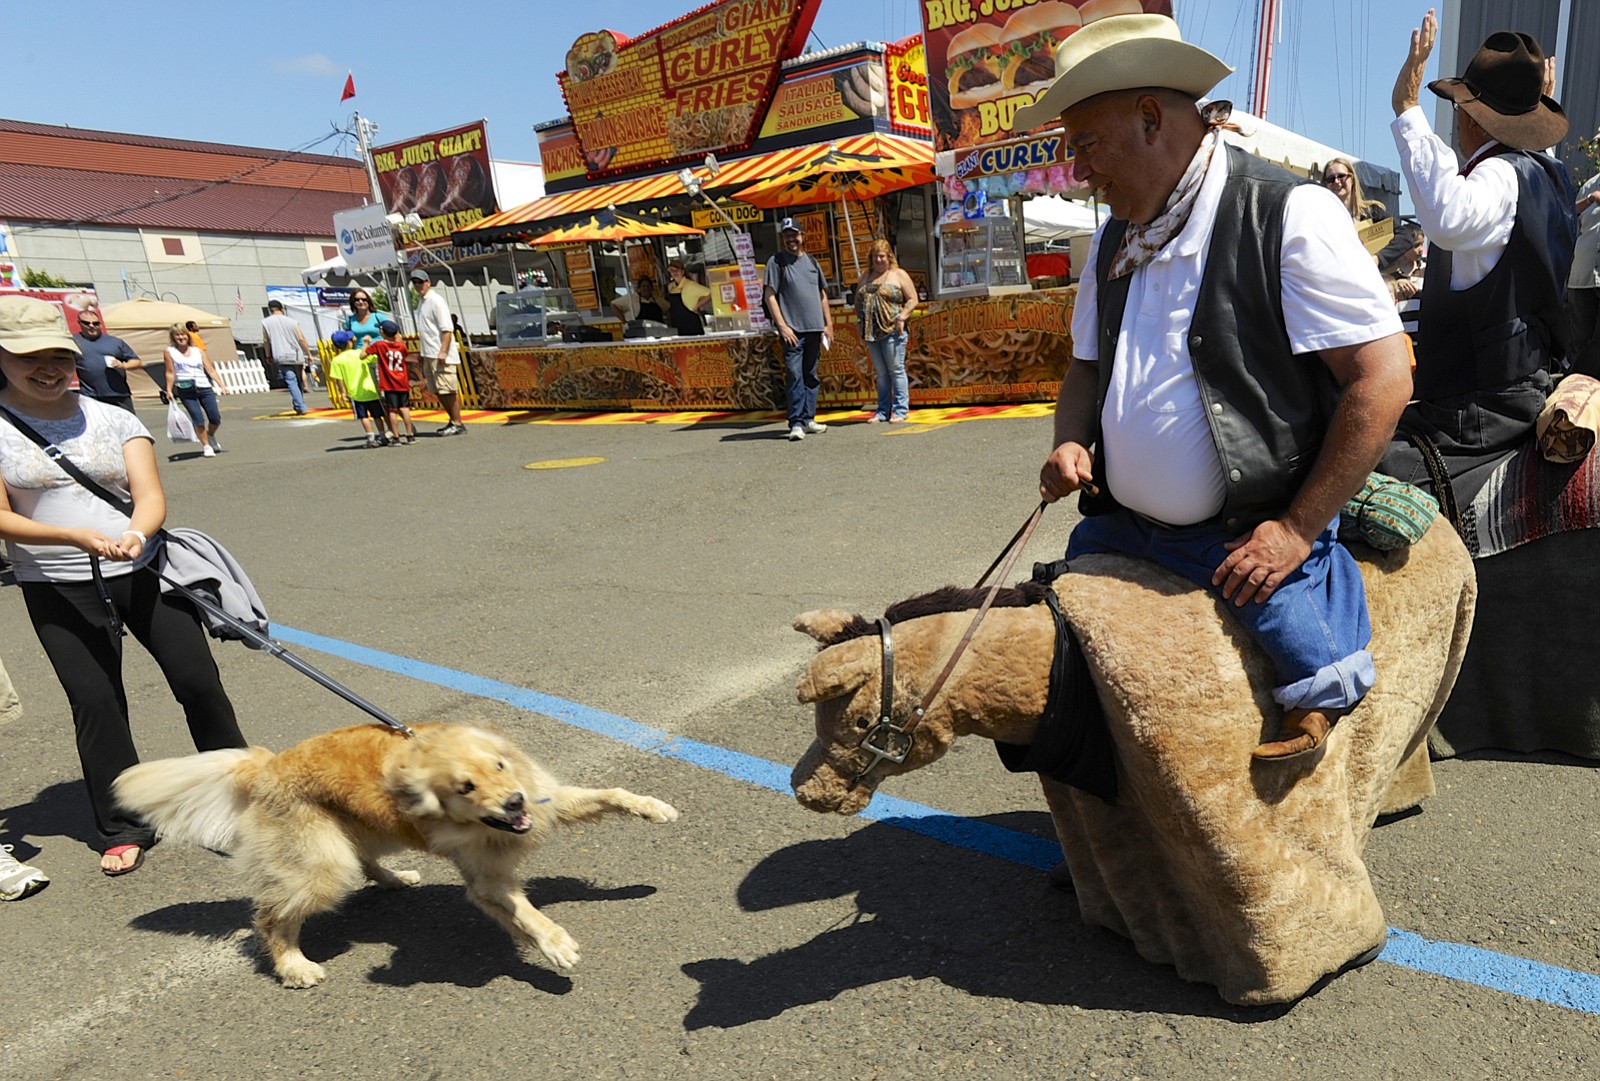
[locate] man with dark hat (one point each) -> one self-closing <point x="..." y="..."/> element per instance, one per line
<point x="1501" y="230"/>
<point x="1238" y="364"/>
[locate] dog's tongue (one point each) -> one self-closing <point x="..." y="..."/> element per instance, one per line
<point x="521" y="823"/>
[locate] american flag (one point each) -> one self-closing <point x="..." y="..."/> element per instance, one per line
<point x="238" y="304"/>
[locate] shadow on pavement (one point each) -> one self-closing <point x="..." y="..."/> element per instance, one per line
<point x="925" y="909"/>
<point x="436" y="935"/>
<point x="61" y="810"/>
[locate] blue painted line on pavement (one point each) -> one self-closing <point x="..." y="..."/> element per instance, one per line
<point x="1564" y="987"/>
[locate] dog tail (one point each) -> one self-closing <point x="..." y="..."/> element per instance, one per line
<point x="197" y="799"/>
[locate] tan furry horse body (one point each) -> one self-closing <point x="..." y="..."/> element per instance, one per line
<point x="1244" y="874"/>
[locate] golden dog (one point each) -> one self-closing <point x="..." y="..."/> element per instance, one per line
<point x="307" y="826"/>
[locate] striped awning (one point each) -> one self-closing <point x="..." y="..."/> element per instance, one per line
<point x="542" y="214"/>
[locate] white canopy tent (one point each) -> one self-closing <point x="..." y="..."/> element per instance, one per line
<point x="1308" y="157"/>
<point x="1048" y="218"/>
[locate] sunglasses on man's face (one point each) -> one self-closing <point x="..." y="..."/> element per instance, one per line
<point x="90" y="325"/>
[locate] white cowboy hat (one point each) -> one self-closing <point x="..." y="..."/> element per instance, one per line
<point x="1122" y="52"/>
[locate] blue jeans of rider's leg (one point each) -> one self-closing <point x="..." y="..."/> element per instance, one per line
<point x="1314" y="626"/>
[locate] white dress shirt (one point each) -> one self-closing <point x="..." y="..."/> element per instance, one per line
<point x="1161" y="459"/>
<point x="1468" y="216"/>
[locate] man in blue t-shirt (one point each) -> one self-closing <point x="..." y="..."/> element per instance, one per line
<point x="796" y="297"/>
<point x="104" y="363"/>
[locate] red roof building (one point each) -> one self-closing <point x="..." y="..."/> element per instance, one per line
<point x="207" y="224"/>
<point x="71" y="175"/>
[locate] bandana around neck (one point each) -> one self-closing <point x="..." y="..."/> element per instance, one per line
<point x="1141" y="242"/>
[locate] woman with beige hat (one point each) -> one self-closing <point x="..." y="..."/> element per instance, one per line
<point x="80" y="563"/>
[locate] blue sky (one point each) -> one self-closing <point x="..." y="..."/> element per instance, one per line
<point x="270" y="75"/>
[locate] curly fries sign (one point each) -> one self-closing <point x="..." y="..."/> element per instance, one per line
<point x="700" y="83"/>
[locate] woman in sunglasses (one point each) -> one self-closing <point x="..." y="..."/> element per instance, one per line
<point x="364" y="322"/>
<point x="1339" y="177"/>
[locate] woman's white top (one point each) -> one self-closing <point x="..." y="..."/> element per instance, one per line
<point x="190" y="365"/>
<point x="43" y="492"/>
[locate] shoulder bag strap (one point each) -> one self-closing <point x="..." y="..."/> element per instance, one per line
<point x="113" y="618"/>
<point x="56" y="455"/>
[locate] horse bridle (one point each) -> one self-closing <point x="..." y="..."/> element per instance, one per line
<point x="889" y="742"/>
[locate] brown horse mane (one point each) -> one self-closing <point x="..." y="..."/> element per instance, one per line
<point x="947" y="599"/>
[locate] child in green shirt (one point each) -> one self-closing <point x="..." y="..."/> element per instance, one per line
<point x="355" y="375"/>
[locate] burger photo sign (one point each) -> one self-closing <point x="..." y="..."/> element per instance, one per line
<point x="998" y="55"/>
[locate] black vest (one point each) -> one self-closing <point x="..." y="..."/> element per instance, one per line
<point x="1268" y="409"/>
<point x="1511" y="323"/>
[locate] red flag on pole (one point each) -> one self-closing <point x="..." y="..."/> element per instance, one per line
<point x="349" y="87"/>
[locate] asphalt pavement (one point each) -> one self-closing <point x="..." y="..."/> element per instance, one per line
<point x="628" y="621"/>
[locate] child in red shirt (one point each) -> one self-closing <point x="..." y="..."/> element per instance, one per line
<point x="394" y="381"/>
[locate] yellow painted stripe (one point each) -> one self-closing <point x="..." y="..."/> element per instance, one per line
<point x="563" y="463"/>
<point x="932" y="415"/>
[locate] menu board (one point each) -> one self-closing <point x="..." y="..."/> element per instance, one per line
<point x="857" y="223"/>
<point x="700" y="83"/>
<point x="580" y="279"/>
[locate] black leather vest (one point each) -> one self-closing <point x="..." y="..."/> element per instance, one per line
<point x="1512" y="323"/>
<point x="1267" y="408"/>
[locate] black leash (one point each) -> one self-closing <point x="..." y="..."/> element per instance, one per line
<point x="245" y="632"/>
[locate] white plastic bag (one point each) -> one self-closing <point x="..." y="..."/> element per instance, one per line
<point x="180" y="429"/>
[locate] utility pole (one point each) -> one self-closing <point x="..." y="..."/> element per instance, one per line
<point x="364" y="131"/>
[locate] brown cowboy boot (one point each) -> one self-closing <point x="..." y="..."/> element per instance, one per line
<point x="1302" y="731"/>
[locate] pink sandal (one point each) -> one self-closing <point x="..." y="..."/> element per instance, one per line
<point x="119" y="851"/>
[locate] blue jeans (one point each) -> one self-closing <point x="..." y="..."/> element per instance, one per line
<point x="291" y="379"/>
<point x="201" y="404"/>
<point x="889" y="365"/>
<point x="801" y="380"/>
<point x="1314" y="626"/>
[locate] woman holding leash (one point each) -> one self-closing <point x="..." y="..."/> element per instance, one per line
<point x="191" y="379"/>
<point x="76" y="559"/>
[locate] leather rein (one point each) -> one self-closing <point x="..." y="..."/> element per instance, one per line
<point x="889" y="742"/>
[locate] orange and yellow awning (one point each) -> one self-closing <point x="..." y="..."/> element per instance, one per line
<point x="533" y="218"/>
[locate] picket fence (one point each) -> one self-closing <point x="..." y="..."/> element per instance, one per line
<point x="242" y="375"/>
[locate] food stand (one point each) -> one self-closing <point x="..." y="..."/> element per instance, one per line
<point x="654" y="124"/>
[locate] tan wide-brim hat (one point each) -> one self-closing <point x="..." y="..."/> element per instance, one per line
<point x="1122" y="52"/>
<point x="30" y="325"/>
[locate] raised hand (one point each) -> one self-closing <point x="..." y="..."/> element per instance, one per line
<point x="1408" y="84"/>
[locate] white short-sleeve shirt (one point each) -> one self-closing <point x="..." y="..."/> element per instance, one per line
<point x="42" y="491"/>
<point x="1161" y="460"/>
<point x="433" y="323"/>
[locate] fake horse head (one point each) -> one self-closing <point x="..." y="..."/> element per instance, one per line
<point x="997" y="689"/>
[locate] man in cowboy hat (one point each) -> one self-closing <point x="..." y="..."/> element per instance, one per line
<point x="1502" y="228"/>
<point x="1238" y="364"/>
